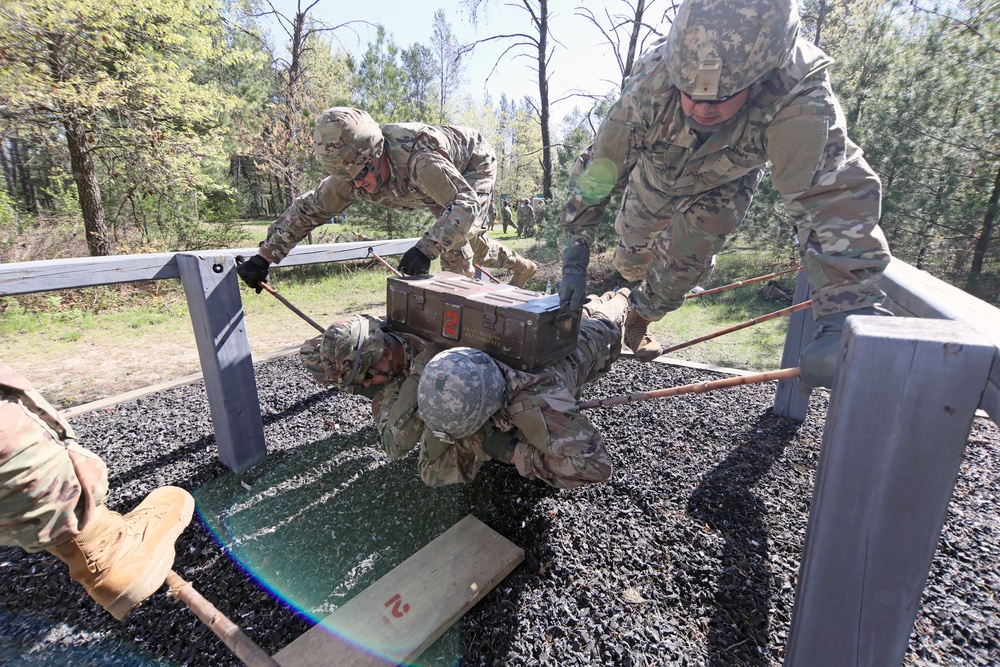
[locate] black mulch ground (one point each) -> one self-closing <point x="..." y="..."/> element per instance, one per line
<point x="688" y="556"/>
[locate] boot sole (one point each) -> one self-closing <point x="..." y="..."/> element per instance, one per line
<point x="143" y="586"/>
<point x="648" y="356"/>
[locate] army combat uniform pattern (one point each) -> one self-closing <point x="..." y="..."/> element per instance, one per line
<point x="448" y="170"/>
<point x="49" y="484"/>
<point x="556" y="444"/>
<point x="686" y="191"/>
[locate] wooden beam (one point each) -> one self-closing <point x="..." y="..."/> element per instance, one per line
<point x="57" y="274"/>
<point x="395" y="619"/>
<point x="900" y="411"/>
<point x="919" y="293"/>
<point x="213" y="298"/>
<point x="789" y="401"/>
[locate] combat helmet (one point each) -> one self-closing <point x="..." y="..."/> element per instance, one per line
<point x="716" y="48"/>
<point x="458" y="391"/>
<point x="345" y="351"/>
<point x="346" y="139"/>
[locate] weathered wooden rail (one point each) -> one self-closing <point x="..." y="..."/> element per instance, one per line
<point x="899" y="418"/>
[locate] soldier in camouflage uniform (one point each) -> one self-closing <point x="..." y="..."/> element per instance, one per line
<point x="52" y="497"/>
<point x="730" y="88"/>
<point x="406" y="166"/>
<point x="525" y="219"/>
<point x="506" y="216"/>
<point x="491" y="215"/>
<point x="536" y="426"/>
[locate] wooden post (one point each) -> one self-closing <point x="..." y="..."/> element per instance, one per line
<point x="902" y="404"/>
<point x="213" y="298"/>
<point x="788" y="400"/>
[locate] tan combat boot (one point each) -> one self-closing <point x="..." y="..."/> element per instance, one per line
<point x="523" y="270"/>
<point x="643" y="346"/>
<point x="122" y="560"/>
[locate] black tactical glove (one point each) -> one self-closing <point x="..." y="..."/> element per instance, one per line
<point x="573" y="287"/>
<point x="253" y="271"/>
<point x="499" y="444"/>
<point x="818" y="360"/>
<point x="414" y="262"/>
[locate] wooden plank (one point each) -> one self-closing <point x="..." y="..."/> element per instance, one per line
<point x="899" y="418"/>
<point x="213" y="297"/>
<point x="789" y="401"/>
<point x="395" y="619"/>
<point x="922" y="294"/>
<point x="57" y="274"/>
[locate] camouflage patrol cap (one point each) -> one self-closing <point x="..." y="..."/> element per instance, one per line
<point x="458" y="391"/>
<point x="346" y="139"/>
<point x="345" y="352"/>
<point x="716" y="48"/>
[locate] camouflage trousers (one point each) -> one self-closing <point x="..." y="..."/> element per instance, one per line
<point x="672" y="248"/>
<point x="479" y="247"/>
<point x="49" y="485"/>
<point x="556" y="444"/>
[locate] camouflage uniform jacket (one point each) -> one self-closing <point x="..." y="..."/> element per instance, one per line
<point x="440" y="168"/>
<point x="791" y="119"/>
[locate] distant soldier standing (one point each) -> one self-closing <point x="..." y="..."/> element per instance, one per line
<point x="462" y="407"/>
<point x="730" y="88"/>
<point x="525" y="219"/>
<point x="506" y="216"/>
<point x="407" y="166"/>
<point x="491" y="216"/>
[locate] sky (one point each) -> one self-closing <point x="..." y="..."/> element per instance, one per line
<point x="583" y="60"/>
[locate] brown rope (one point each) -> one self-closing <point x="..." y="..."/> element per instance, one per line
<point x="242" y="646"/>
<point x="741" y="325"/>
<point x="740" y="283"/>
<point x="696" y="388"/>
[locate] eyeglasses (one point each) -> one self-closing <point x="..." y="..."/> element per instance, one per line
<point x="359" y="179"/>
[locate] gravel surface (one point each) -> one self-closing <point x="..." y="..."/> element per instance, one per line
<point x="688" y="556"/>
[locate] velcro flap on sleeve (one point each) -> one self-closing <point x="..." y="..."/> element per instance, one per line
<point x="795" y="147"/>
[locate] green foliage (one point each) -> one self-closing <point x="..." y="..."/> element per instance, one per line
<point x="129" y="83"/>
<point x="920" y="90"/>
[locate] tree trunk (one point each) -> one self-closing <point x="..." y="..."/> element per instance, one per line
<point x="8" y="171"/>
<point x="633" y="41"/>
<point x="543" y="96"/>
<point x="820" y="16"/>
<point x="24" y="175"/>
<point x="88" y="189"/>
<point x="983" y="239"/>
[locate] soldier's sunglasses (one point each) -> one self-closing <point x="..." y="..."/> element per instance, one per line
<point x="359" y="179"/>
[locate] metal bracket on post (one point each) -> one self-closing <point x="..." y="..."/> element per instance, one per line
<point x="788" y="400"/>
<point x="902" y="404"/>
<point x="213" y="297"/>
